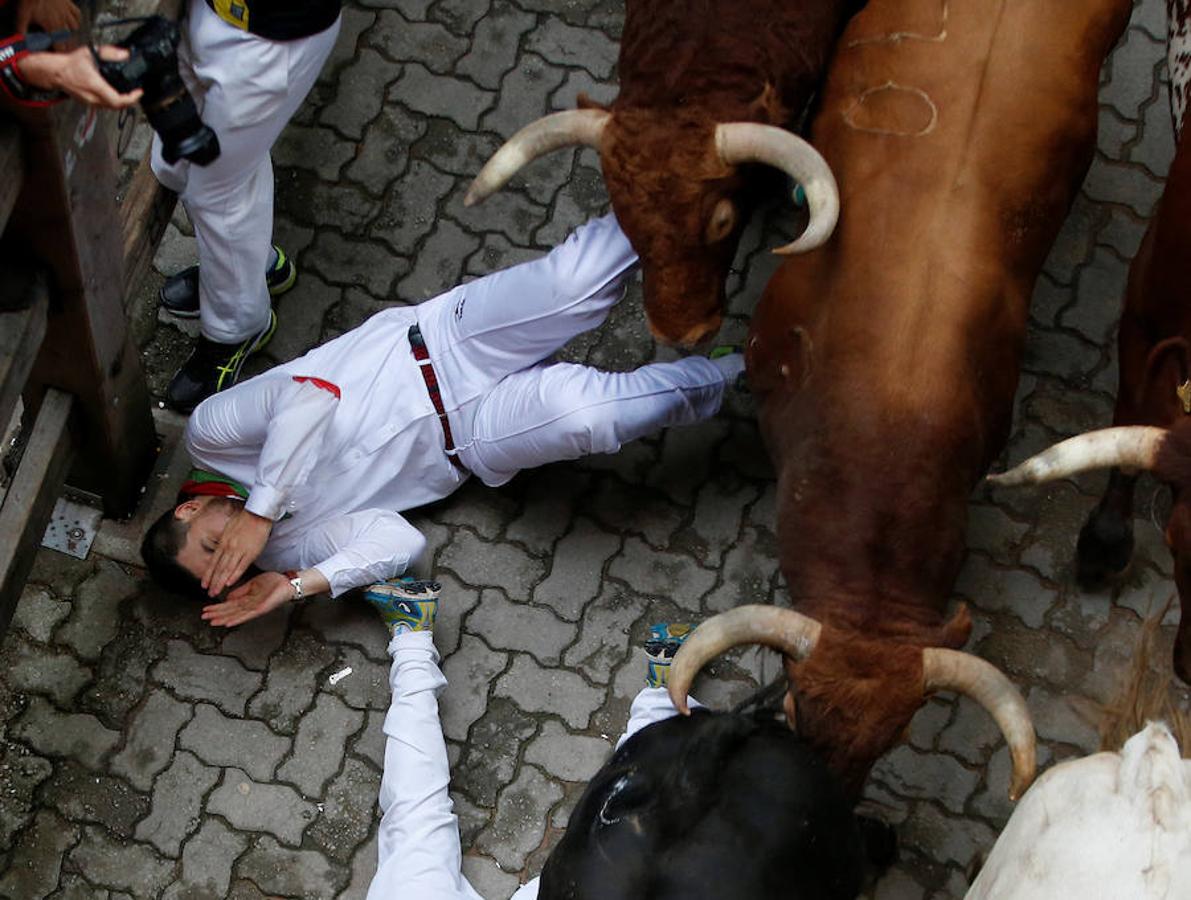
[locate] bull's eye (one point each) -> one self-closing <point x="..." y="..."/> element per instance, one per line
<point x="722" y="221"/>
<point x="629" y="792"/>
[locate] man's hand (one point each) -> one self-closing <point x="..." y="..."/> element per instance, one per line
<point x="256" y="597"/>
<point x="75" y="73"/>
<point x="240" y="544"/>
<point x="50" y="15"/>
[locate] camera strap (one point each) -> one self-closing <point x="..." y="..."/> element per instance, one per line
<point x="12" y="51"/>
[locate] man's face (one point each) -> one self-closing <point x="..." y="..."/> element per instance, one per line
<point x="207" y="517"/>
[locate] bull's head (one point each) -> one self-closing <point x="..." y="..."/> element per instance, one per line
<point x="679" y="195"/>
<point x="1166" y="453"/>
<point x="712" y="806"/>
<point x="852" y="698"/>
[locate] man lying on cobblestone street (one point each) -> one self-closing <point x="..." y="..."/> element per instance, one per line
<point x="418" y="841"/>
<point x="305" y="469"/>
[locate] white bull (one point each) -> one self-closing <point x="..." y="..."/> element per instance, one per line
<point x="1112" y="826"/>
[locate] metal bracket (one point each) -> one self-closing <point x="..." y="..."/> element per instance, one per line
<point x="72" y="529"/>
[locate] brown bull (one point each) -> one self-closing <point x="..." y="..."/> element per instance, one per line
<point x="703" y="87"/>
<point x="1155" y="382"/>
<point x="886" y="362"/>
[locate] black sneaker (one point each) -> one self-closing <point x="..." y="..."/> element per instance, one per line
<point x="213" y="367"/>
<point x="180" y="294"/>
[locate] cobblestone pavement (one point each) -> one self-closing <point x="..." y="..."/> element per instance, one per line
<point x="143" y="754"/>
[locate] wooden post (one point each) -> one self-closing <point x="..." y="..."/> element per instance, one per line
<point x="66" y="217"/>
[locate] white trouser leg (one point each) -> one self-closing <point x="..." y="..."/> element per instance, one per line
<point x="564" y="411"/>
<point x="418" y="843"/>
<point x="247" y="89"/>
<point x="486" y="329"/>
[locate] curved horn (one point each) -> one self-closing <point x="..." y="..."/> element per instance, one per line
<point x="552" y="132"/>
<point x="783" y="629"/>
<point x="952" y="670"/>
<point x="743" y="142"/>
<point x="1132" y="446"/>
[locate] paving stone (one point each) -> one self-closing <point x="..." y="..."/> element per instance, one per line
<point x="439" y="96"/>
<point x="363" y="868"/>
<point x="578" y="82"/>
<point x="320" y="150"/>
<point x="1075" y="240"/>
<point x="669" y="575"/>
<point x="1132" y="79"/>
<point x="437" y="267"/>
<point x="219" y="740"/>
<point x="514" y="626"/>
<point x="524" y="95"/>
<point x="82" y="795"/>
<point x="348" y="811"/>
<point x="718" y="518"/>
<point x="1056" y="718"/>
<point x="254" y="642"/>
<point x="1101" y="287"/>
<point x="494" y="45"/>
<point x="300" y="316"/>
<point x="477" y="562"/>
<point x="289" y="872"/>
<point x="409" y="216"/>
<point x="347" y="620"/>
<point x="1128" y="185"/>
<point x="367" y="687"/>
<point x="576" y="569"/>
<point x="253" y="806"/>
<point x="384" y="152"/>
<point x="950" y="838"/>
<point x="556" y="691"/>
<point x="74" y="736"/>
<point x="177" y="803"/>
<point x="460" y="16"/>
<point x="319" y="744"/>
<point x="313" y="203"/>
<point x="1123" y="233"/>
<point x="520" y="819"/>
<point x="370" y="741"/>
<point x="480" y="507"/>
<point x="95" y="618"/>
<point x="32" y="669"/>
<point x="992" y="588"/>
<point x="567" y="756"/>
<point x="200" y="676"/>
<point x="622" y="508"/>
<point x="402" y="40"/>
<point x="38" y="613"/>
<point x="370" y="266"/>
<point x="488" y="879"/>
<point x="207" y="862"/>
<point x="134" y="868"/>
<point x="150" y="739"/>
<point x="122" y="675"/>
<point x="291" y="682"/>
<point x="489" y="759"/>
<point x="510" y="213"/>
<point x="469" y="673"/>
<point x="604" y="633"/>
<point x="563" y="44"/>
<point x="927" y="776"/>
<point x="20" y="774"/>
<point x="929" y="721"/>
<point x="37" y="857"/>
<point x="746" y="572"/>
<point x="361" y="93"/>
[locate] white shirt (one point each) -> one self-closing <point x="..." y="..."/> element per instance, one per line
<point x="333" y="446"/>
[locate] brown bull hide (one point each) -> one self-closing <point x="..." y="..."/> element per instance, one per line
<point x="685" y="69"/>
<point x="886" y="363"/>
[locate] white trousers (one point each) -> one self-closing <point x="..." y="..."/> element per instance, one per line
<point x="246" y="88"/>
<point x="510" y="410"/>
<point x="419" y="855"/>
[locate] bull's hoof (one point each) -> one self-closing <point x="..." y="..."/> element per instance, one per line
<point x="1103" y="551"/>
<point x="880" y="842"/>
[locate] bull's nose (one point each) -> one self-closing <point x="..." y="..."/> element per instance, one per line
<point x="689" y="340"/>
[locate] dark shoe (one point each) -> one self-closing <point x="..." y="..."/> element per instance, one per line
<point x="213" y="367"/>
<point x="180" y="293"/>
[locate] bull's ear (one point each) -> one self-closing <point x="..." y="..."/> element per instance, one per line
<point x="1166" y="391"/>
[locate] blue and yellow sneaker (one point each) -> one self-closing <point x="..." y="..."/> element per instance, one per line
<point x="405" y="603"/>
<point x="663" y="642"/>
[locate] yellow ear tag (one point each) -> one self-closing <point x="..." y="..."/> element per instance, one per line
<point x="1184" y="392"/>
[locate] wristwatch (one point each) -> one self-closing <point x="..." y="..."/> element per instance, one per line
<point x="295" y="581"/>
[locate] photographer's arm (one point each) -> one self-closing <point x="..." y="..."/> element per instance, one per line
<point x="49" y="15"/>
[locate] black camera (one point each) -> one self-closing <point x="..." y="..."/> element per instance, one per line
<point x="152" y="64"/>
